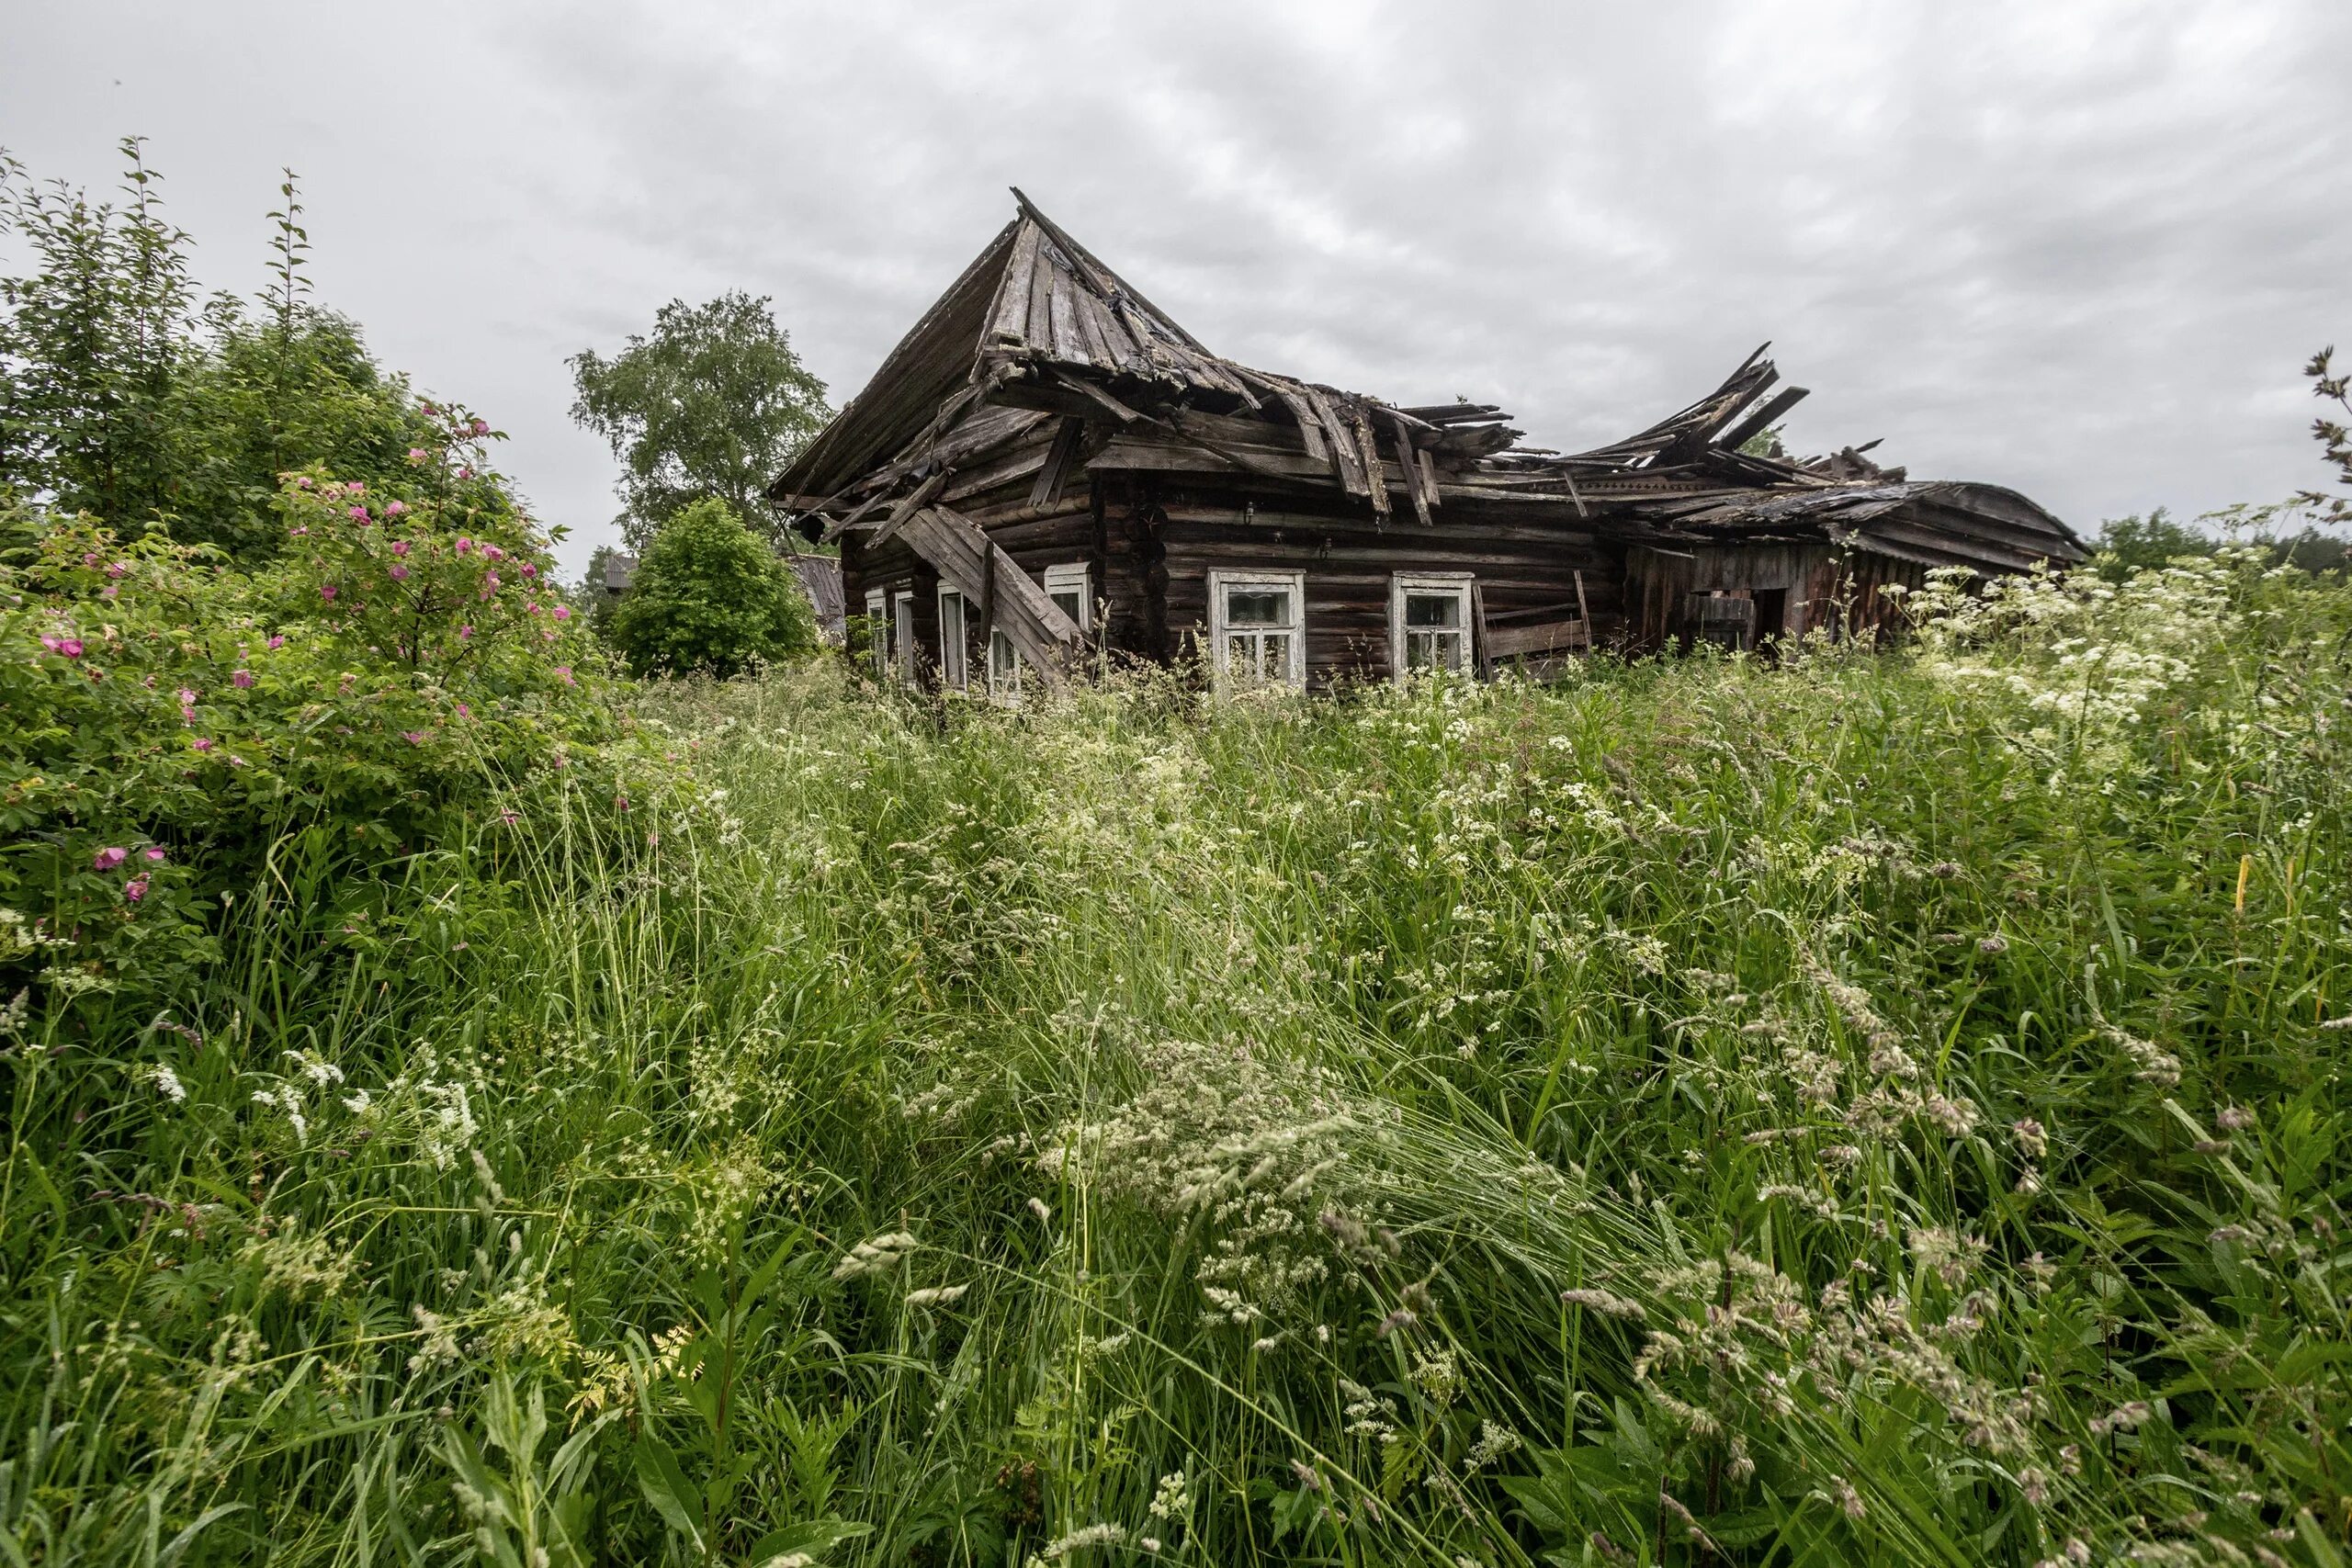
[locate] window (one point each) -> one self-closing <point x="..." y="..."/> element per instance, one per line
<point x="877" y="633"/>
<point x="1004" y="668"/>
<point x="952" y="672"/>
<point x="1429" y="622"/>
<point x="1068" y="586"/>
<point x="902" y="634"/>
<point x="1257" y="625"/>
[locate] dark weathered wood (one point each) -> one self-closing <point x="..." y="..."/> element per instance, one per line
<point x="908" y="508"/>
<point x="1759" y="421"/>
<point x="1040" y="362"/>
<point x="1409" y="469"/>
<point x="1370" y="449"/>
<point x="1058" y="462"/>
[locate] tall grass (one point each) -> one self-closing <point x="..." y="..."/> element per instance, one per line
<point x="1874" y="1107"/>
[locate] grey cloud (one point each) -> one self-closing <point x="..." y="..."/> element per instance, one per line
<point x="2081" y="249"/>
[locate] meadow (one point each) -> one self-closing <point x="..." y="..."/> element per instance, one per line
<point x="1866" y="1107"/>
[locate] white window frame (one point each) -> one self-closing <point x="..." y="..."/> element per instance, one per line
<point x="1004" y="682"/>
<point x="1406" y="583"/>
<point x="955" y="652"/>
<point x="877" y="632"/>
<point x="902" y="633"/>
<point x="1076" y="577"/>
<point x="1295" y="583"/>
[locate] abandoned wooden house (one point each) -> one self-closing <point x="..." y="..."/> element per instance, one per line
<point x="1047" y="464"/>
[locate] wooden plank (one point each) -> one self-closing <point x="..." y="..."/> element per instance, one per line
<point x="908" y="508"/>
<point x="1025" y="613"/>
<point x="1116" y="341"/>
<point x="1058" y="462"/>
<point x="1345" y="462"/>
<point x="1408" y="469"/>
<point x="1369" y="446"/>
<point x="1067" y="344"/>
<point x="1310" y="429"/>
<point x="1089" y="329"/>
<point x="1482" y="653"/>
<point x="1040" y="330"/>
<point x="1110" y="404"/>
<point x="1425" y="469"/>
<point x="1009" y="314"/>
<point x="1756" y="423"/>
<point x="1545" y="638"/>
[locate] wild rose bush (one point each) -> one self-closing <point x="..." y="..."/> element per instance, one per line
<point x="167" y="720"/>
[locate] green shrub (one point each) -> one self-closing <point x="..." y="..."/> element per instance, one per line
<point x="165" y="720"/>
<point x="711" y="595"/>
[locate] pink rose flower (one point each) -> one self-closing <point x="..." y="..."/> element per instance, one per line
<point x="154" y="855"/>
<point x="242" y="679"/>
<point x="465" y="473"/>
<point x="565" y="671"/>
<point x="186" y="695"/>
<point x="354" y="488"/>
<point x="52" y="643"/>
<point x="106" y="860"/>
<point x="464" y="712"/>
<point x="299" y="532"/>
<point x="302" y="483"/>
<point x="358" y="514"/>
<point x="531" y="607"/>
<point x="136" y="889"/>
<point x="488" y="583"/>
<point x="563" y="612"/>
<point x="119" y="568"/>
<point x="202" y="744"/>
<point x="492" y="552"/>
<point x="71" y="646"/>
<point x="464" y="632"/>
<point x="463" y="543"/>
<point x="400" y="547"/>
<point x="481" y="427"/>
<point x="529" y="570"/>
<point x="276" y="643"/>
<point x="400" y="573"/>
<point x="327" y="591"/>
<point x="110" y="591"/>
<point x="394" y="508"/>
<point x="417" y="454"/>
<point x="413" y="737"/>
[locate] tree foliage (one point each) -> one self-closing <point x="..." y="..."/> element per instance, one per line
<point x="713" y="402"/>
<point x="122" y="397"/>
<point x="2334" y="440"/>
<point x="167" y="721"/>
<point x="711" y="595"/>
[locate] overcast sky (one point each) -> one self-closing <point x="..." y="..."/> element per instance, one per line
<point x="2078" y="248"/>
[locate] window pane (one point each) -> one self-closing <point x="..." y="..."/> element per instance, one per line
<point x="1256" y="606"/>
<point x="1433" y="609"/>
<point x="1276" y="665"/>
<point x="1072" y="603"/>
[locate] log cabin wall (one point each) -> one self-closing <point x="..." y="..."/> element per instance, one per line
<point x="1523" y="560"/>
<point x="1798" y="588"/>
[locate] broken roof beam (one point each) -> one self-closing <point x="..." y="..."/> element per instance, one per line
<point x="1761" y="418"/>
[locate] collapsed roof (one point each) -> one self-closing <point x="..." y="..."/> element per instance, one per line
<point x="1038" y="325"/>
